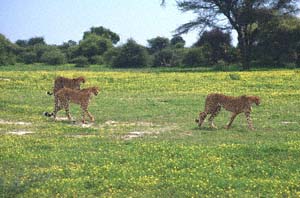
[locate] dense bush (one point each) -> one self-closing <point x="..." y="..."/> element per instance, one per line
<point x="97" y="60"/>
<point x="7" y="51"/>
<point x="94" y="45"/>
<point x="277" y="43"/>
<point x="104" y="33"/>
<point x="131" y="54"/>
<point x="177" y="42"/>
<point x="218" y="42"/>
<point x="53" y="57"/>
<point x="198" y="56"/>
<point x="110" y="56"/>
<point x="157" y="44"/>
<point x="29" y="57"/>
<point x="163" y="58"/>
<point x="80" y="61"/>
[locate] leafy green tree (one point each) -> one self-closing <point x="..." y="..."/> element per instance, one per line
<point x="131" y="54"/>
<point x="177" y="42"/>
<point x="81" y="61"/>
<point x="277" y="42"/>
<point x="70" y="49"/>
<point x="39" y="49"/>
<point x="28" y="57"/>
<point x="22" y="43"/>
<point x="7" y="51"/>
<point x="31" y="51"/>
<point x="163" y="57"/>
<point x="158" y="43"/>
<point x="36" y="40"/>
<point x="218" y="41"/>
<point x="94" y="45"/>
<point x="197" y="56"/>
<point x="240" y="15"/>
<point x="104" y="33"/>
<point x="110" y="55"/>
<point x="53" y="57"/>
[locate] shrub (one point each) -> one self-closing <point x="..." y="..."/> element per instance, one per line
<point x="7" y="51"/>
<point x="29" y="57"/>
<point x="80" y="61"/>
<point x="196" y="57"/>
<point x="163" y="58"/>
<point x="110" y="55"/>
<point x="97" y="60"/>
<point x="94" y="45"/>
<point x="53" y="57"/>
<point x="131" y="54"/>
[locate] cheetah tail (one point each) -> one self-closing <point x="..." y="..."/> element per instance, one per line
<point x="47" y="114"/>
<point x="49" y="93"/>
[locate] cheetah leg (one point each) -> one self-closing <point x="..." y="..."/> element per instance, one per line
<point x="213" y="115"/>
<point x="249" y="120"/>
<point x="231" y="120"/>
<point x="201" y="119"/>
<point x="57" y="108"/>
<point x="66" y="107"/>
<point x="84" y="111"/>
<point x="90" y="116"/>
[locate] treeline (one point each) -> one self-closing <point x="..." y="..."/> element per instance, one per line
<point x="276" y="44"/>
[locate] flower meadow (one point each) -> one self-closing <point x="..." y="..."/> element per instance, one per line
<point x="144" y="141"/>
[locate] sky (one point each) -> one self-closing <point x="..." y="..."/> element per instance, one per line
<point x="61" y="20"/>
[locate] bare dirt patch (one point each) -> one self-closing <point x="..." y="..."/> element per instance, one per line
<point x="20" y="132"/>
<point x="4" y="79"/>
<point x="153" y="131"/>
<point x="136" y="134"/>
<point x="82" y="135"/>
<point x="62" y="119"/>
<point x="15" y="123"/>
<point x="116" y="123"/>
<point x="288" y="122"/>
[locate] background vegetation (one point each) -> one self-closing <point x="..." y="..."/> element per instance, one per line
<point x="268" y="36"/>
<point x="276" y="44"/>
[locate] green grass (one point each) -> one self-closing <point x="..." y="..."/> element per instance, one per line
<point x="173" y="159"/>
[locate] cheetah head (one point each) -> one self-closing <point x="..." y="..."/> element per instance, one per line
<point x="256" y="100"/>
<point x="80" y="79"/>
<point x="95" y="90"/>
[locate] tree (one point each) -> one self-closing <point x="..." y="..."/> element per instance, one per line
<point x="158" y="43"/>
<point x="103" y="32"/>
<point x="177" y="42"/>
<point x="53" y="57"/>
<point x="22" y="43"/>
<point x="218" y="41"/>
<point x="278" y="41"/>
<point x="93" y="45"/>
<point x="240" y="15"/>
<point x="131" y="54"/>
<point x="36" y="40"/>
<point x="7" y="51"/>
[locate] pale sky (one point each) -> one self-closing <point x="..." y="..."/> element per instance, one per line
<point x="61" y="20"/>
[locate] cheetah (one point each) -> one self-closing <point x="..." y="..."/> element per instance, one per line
<point x="241" y="104"/>
<point x="82" y="97"/>
<point x="61" y="82"/>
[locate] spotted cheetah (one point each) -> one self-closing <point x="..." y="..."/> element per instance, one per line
<point x="61" y="82"/>
<point x="82" y="97"/>
<point x="241" y="104"/>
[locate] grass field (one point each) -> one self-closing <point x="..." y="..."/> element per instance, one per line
<point x="144" y="142"/>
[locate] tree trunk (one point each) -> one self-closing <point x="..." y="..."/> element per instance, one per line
<point x="245" y="50"/>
